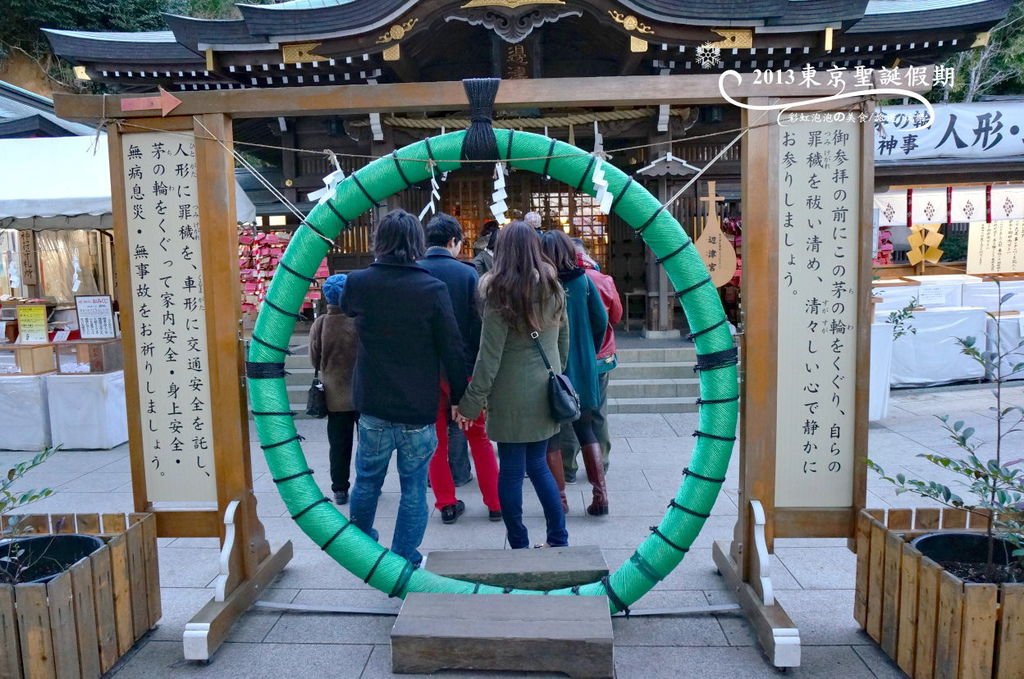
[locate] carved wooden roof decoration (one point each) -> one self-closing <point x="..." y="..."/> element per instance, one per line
<point x="304" y="42"/>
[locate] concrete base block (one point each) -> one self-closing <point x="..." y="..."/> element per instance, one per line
<point x="661" y="334"/>
<point x="543" y="569"/>
<point x="567" y="634"/>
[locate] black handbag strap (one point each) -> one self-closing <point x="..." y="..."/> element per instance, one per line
<point x="535" y="336"/>
<point x="320" y="360"/>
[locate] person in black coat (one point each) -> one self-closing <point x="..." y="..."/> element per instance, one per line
<point x="444" y="236"/>
<point x="407" y="332"/>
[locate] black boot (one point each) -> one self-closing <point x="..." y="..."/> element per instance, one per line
<point x="595" y="473"/>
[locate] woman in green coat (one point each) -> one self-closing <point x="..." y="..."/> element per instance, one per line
<point x="588" y="320"/>
<point x="522" y="300"/>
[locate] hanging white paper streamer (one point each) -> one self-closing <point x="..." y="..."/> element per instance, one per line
<point x="376" y="128"/>
<point x="602" y="195"/>
<point x="498" y="205"/>
<point x="435" y="195"/>
<point x="76" y="282"/>
<point x="331" y="181"/>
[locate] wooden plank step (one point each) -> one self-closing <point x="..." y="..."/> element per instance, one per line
<point x="567" y="634"/>
<point x="542" y="569"/>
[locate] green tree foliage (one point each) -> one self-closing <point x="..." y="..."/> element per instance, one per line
<point x="995" y="68"/>
<point x="23" y="19"/>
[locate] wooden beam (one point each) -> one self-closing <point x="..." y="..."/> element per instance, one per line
<point x="219" y="237"/>
<point x="761" y="274"/>
<point x="775" y="630"/>
<point x="539" y="93"/>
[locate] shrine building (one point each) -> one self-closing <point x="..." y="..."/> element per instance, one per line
<point x="305" y="43"/>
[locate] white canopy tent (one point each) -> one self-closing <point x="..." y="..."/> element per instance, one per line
<point x="64" y="183"/>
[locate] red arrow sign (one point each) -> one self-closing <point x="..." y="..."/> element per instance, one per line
<point x="165" y="101"/>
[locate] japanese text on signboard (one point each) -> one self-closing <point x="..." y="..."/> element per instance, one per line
<point x="996" y="247"/>
<point x="819" y="208"/>
<point x="169" y="322"/>
<point x="95" y="317"/>
<point x="987" y="130"/>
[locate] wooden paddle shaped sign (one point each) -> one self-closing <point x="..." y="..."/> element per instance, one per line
<point x="715" y="249"/>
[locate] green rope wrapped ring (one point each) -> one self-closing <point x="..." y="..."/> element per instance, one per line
<point x="662" y="550"/>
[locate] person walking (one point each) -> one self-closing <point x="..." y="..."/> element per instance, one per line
<point x="332" y="350"/>
<point x="523" y="305"/>
<point x="407" y="332"/>
<point x="484" y="260"/>
<point x="588" y="321"/>
<point x="483" y="241"/>
<point x="444" y="241"/>
<point x="606" y="362"/>
<point x="534" y="221"/>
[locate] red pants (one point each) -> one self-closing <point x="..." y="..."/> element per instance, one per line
<point x="484" y="459"/>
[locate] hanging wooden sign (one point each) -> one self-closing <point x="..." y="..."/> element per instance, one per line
<point x="714" y="247"/>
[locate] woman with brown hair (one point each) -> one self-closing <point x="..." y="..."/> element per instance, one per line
<point x="587" y="322"/>
<point x="522" y="301"/>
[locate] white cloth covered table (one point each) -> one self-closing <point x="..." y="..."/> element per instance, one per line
<point x="24" y="419"/>
<point x="880" y="369"/>
<point x="932" y="356"/>
<point x="986" y="295"/>
<point x="88" y="411"/>
<point x="942" y="290"/>
<point x="895" y="294"/>
<point x="1011" y="329"/>
<point x="881" y="366"/>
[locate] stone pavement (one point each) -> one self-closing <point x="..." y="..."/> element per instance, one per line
<point x="814" y="579"/>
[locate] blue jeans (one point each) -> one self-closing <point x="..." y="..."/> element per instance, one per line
<point x="415" y="445"/>
<point x="514" y="458"/>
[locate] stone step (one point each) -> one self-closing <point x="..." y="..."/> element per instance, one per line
<point x="541" y="569"/>
<point x="641" y="370"/>
<point x="685" y="352"/>
<point x="678" y="404"/>
<point x="488" y="632"/>
<point x="654" y="388"/>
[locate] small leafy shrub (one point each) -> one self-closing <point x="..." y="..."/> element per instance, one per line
<point x="993" y="487"/>
<point x="12" y="564"/>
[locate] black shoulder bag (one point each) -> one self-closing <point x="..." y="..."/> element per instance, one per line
<point x="563" y="401"/>
<point x="316" y="401"/>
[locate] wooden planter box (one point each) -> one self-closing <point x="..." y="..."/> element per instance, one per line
<point x="81" y="622"/>
<point x="930" y="622"/>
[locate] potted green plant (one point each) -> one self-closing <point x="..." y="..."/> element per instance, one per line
<point x="25" y="557"/>
<point x="76" y="590"/>
<point x="990" y="488"/>
<point x="942" y="600"/>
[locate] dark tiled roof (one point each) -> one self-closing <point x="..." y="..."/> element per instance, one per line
<point x="720" y="11"/>
<point x="155" y="47"/>
<point x="986" y="13"/>
<point x="190" y="32"/>
<point x="820" y="12"/>
<point x="355" y="16"/>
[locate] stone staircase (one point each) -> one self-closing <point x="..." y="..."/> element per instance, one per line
<point x="300" y="375"/>
<point x="654" y="378"/>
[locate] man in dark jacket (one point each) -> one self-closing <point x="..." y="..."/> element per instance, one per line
<point x="407" y="332"/>
<point x="444" y="236"/>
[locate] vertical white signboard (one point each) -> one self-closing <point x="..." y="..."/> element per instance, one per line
<point x="819" y="207"/>
<point x="169" y="322"/>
